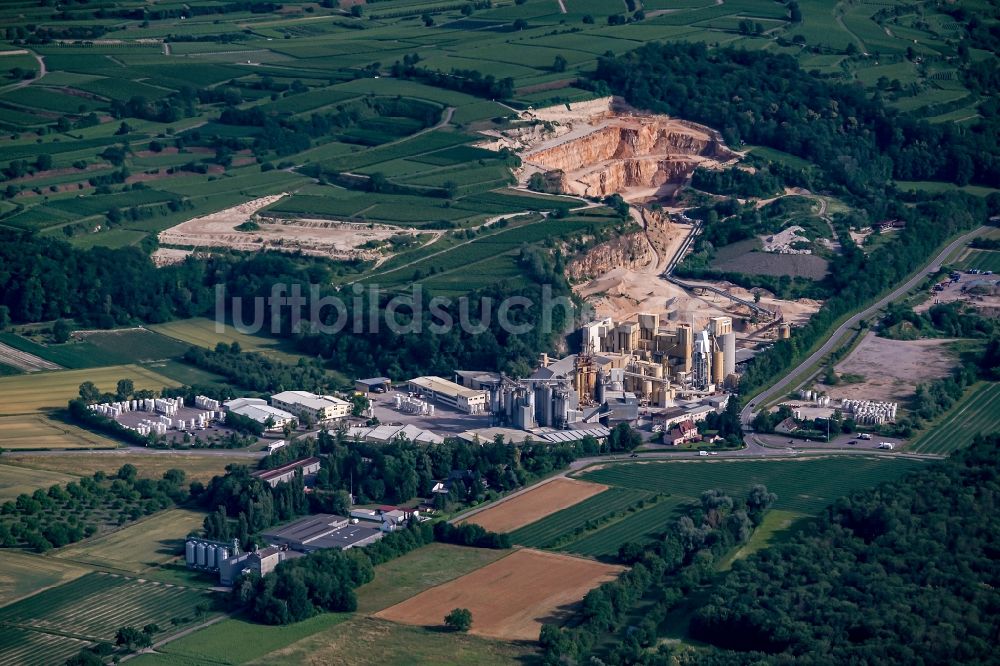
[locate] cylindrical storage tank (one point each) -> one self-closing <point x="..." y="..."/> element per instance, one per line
<point x="210" y="555"/>
<point x="647" y="389"/>
<point x="199" y="554"/>
<point x="189" y="552"/>
<point x="221" y="555"/>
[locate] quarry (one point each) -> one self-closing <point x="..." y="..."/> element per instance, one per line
<point x="604" y="147"/>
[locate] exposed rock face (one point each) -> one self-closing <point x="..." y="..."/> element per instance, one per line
<point x="628" y="251"/>
<point x="604" y="151"/>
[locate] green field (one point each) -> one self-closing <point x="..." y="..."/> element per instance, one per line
<point x="91" y="608"/>
<point x="571" y="520"/>
<point x="147" y="543"/>
<point x="25" y="432"/>
<point x="804" y="486"/>
<point x="135" y="345"/>
<point x="24" y="574"/>
<point x="196" y="467"/>
<point x="203" y="332"/>
<point x="983" y="260"/>
<point x="978" y="412"/>
<point x="73" y="354"/>
<point x="423" y="568"/>
<point x="346" y="639"/>
<point x="236" y="641"/>
<point x="17" y="480"/>
<point x="47" y="391"/>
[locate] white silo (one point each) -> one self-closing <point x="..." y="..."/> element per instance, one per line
<point x="199" y="553"/>
<point x="189" y="553"/>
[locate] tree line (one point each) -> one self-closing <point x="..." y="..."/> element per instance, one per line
<point x="661" y="574"/>
<point x="899" y="574"/>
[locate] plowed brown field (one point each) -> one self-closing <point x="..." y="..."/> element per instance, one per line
<point x="511" y="598"/>
<point x="535" y="504"/>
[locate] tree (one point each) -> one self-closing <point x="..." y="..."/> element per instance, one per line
<point x="459" y="619"/>
<point x="60" y="330"/>
<point x="131" y="638"/>
<point x="559" y="64"/>
<point x="4" y="317"/>
<point x="125" y="389"/>
<point x="520" y="24"/>
<point x="89" y="392"/>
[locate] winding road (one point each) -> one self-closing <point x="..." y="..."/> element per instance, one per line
<point x="746" y="416"/>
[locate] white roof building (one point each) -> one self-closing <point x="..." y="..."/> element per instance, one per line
<point x="387" y="433"/>
<point x="468" y="400"/>
<point x="259" y="411"/>
<point x="317" y="407"/>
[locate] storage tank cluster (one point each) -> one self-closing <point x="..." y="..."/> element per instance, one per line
<point x="526" y="406"/>
<point x="146" y="426"/>
<point x="870" y="412"/>
<point x="411" y="405"/>
<point x="168" y="406"/>
<point x="204" y="402"/>
<point x="210" y="555"/>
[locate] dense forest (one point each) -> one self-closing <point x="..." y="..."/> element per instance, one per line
<point x="772" y="101"/>
<point x="905" y="573"/>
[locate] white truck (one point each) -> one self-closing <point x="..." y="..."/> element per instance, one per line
<point x="864" y="435"/>
<point x="885" y="445"/>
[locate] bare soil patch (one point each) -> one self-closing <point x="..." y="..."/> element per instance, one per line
<point x="511" y="598"/>
<point x="892" y="368"/>
<point x="324" y="238"/>
<point x="535" y="504"/>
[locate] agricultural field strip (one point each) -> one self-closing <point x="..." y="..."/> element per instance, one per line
<point x="94" y="606"/>
<point x="24" y="360"/>
<point x="978" y="413"/>
<point x="543" y="532"/>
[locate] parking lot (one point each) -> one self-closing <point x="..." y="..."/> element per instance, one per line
<point x="445" y="421"/>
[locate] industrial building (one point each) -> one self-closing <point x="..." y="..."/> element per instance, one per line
<point x="389" y="433"/>
<point x="659" y="364"/>
<point x="477" y="380"/>
<point x="322" y="531"/>
<point x="317" y="408"/>
<point x="470" y="401"/>
<point x="258" y="410"/>
<point x="373" y="385"/>
<point x="229" y="561"/>
<point x="272" y="477"/>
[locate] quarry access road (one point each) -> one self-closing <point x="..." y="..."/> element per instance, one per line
<point x="746" y="416"/>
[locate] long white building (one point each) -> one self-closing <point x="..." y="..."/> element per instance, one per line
<point x="317" y="407"/>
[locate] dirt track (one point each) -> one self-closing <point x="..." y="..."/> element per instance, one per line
<point x="511" y="598"/>
<point x="542" y="501"/>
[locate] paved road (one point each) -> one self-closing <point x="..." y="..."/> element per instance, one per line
<point x="142" y="450"/>
<point x="748" y="411"/>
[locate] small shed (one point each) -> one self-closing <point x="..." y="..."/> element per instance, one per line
<point x="373" y="385"/>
